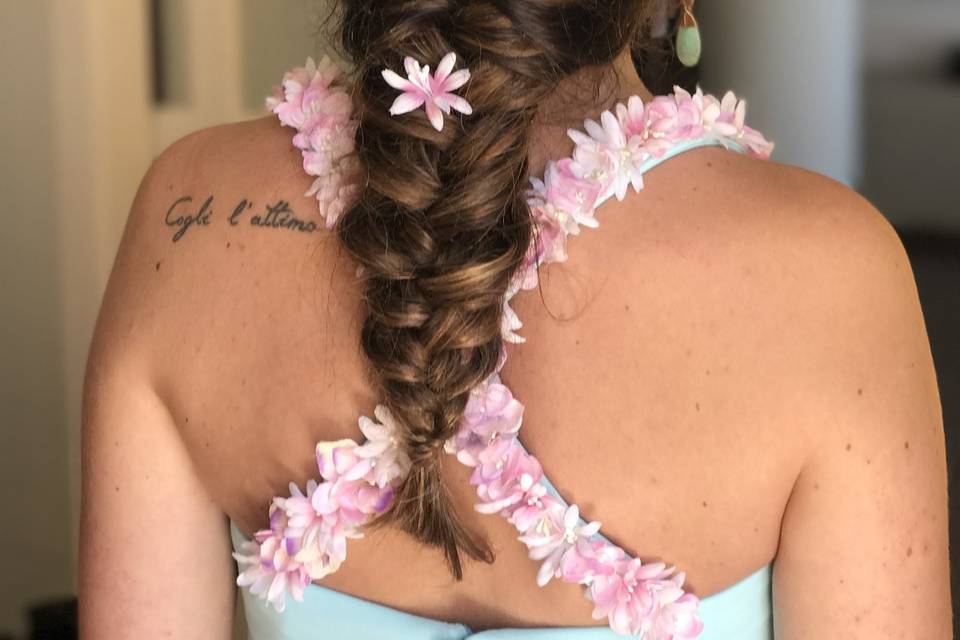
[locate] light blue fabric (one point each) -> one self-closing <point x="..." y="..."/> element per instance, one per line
<point x="740" y="612"/>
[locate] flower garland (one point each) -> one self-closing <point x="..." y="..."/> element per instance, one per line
<point x="645" y="600"/>
<point x="307" y="538"/>
<point x="308" y="531"/>
<point x="310" y="100"/>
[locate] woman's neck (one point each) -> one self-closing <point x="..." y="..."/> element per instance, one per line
<point x="584" y="95"/>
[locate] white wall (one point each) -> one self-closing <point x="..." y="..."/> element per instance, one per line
<point x="78" y="133"/>
<point x="798" y="64"/>
<point x="850" y="88"/>
<point x="274" y="41"/>
<point x="76" y="139"/>
<point x="33" y="444"/>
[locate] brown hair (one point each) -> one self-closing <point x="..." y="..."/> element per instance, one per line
<point x="443" y="224"/>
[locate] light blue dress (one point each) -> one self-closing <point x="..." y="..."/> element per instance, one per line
<point x="740" y="612"/>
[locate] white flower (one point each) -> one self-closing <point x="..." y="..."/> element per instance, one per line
<point x="510" y="323"/>
<point x="606" y="155"/>
<point x="550" y="540"/>
<point x="383" y="447"/>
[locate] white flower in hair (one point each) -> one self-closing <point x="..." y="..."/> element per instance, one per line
<point x="434" y="91"/>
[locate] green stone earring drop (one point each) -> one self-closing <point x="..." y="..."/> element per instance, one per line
<point x="689" y="43"/>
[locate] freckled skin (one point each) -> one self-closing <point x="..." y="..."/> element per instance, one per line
<point x="756" y="296"/>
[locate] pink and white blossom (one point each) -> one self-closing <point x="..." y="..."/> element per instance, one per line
<point x="554" y="537"/>
<point x="609" y="156"/>
<point x="383" y="447"/>
<point x="510" y="324"/>
<point x="433" y="92"/>
<point x="646" y="600"/>
<point x="311" y="100"/>
<point x="492" y="413"/>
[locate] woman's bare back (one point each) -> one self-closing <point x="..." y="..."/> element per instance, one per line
<point x="700" y="376"/>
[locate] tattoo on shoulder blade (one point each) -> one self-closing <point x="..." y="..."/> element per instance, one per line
<point x="183" y="215"/>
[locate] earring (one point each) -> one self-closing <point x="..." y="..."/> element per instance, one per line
<point x="689" y="43"/>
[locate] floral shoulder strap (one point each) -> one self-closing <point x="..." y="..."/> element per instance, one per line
<point x="308" y="532"/>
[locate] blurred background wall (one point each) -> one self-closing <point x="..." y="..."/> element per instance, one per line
<point x="93" y="89"/>
<point x="34" y="480"/>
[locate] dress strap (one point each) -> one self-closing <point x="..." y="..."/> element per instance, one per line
<point x="308" y="532"/>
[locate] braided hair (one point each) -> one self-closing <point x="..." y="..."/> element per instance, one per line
<point x="442" y="224"/>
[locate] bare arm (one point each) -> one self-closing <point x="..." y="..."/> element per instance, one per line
<point x="863" y="551"/>
<point x="155" y="555"/>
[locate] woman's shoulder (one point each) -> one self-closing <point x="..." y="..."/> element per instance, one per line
<point x="249" y="152"/>
<point x="784" y="235"/>
<point x="779" y="234"/>
<point x="810" y="260"/>
<point x="781" y="274"/>
<point x="220" y="222"/>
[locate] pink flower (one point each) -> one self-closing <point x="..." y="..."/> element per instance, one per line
<point x="323" y="554"/>
<point x="339" y="458"/>
<point x="492" y="413"/>
<point x="608" y="156"/>
<point x="320" y="110"/>
<point x="336" y="190"/>
<point x="506" y="476"/>
<point x="435" y="91"/>
<point x="645" y="600"/>
<point x="325" y="140"/>
<point x="549" y="243"/>
<point x="689" y="109"/>
<point x="268" y="566"/>
<point x="554" y="537"/>
<point x="269" y="571"/>
<point x="757" y="145"/>
<point x="388" y="459"/>
<point x="535" y="504"/>
<point x="510" y="323"/>
<point x="315" y="535"/>
<point x="550" y="237"/>
<point x="588" y="558"/>
<point x="307" y="538"/>
<point x="569" y="196"/>
<point x="723" y="119"/>
<point x="662" y="125"/>
<point x="307" y="91"/>
<point x="302" y="520"/>
<point x="527" y="276"/>
<point x="631" y="117"/>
